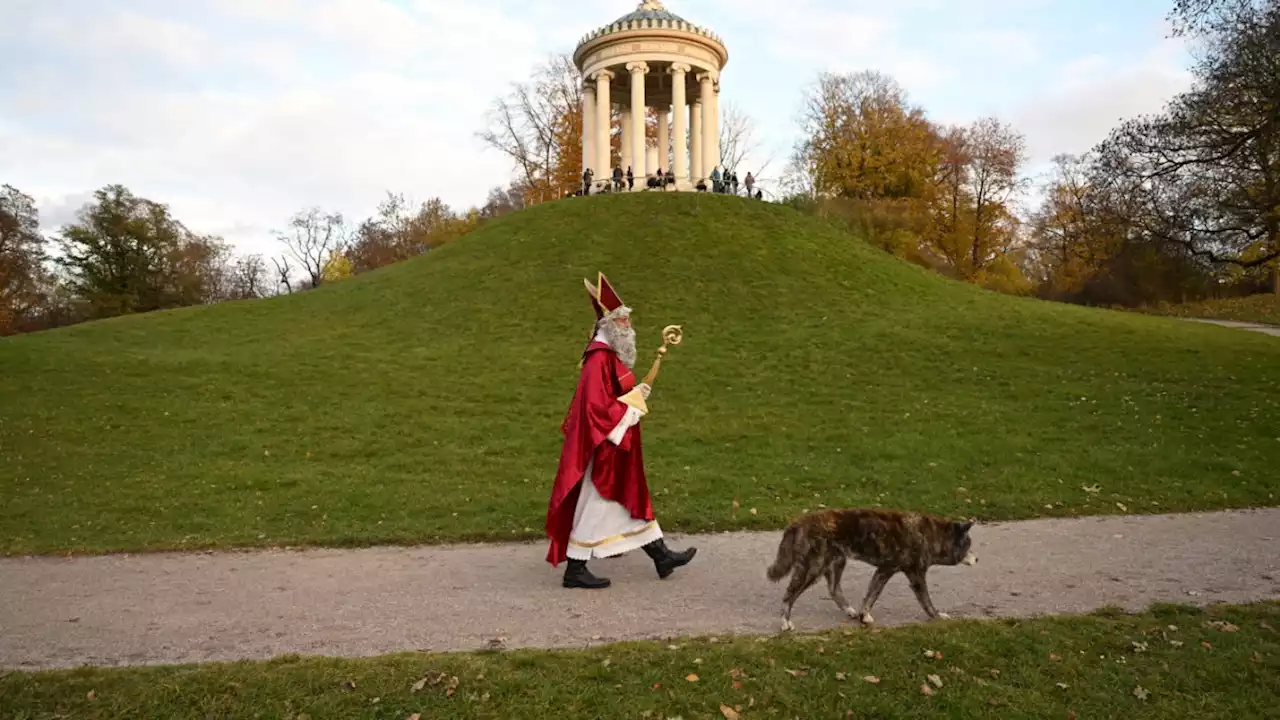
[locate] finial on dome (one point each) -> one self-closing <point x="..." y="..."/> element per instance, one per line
<point x="651" y="5"/>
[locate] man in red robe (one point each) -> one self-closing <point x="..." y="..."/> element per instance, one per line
<point x="600" y="504"/>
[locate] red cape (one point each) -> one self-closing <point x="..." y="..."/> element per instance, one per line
<point x="618" y="471"/>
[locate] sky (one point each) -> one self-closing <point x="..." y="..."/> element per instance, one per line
<point x="238" y="113"/>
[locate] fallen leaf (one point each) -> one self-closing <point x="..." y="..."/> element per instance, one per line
<point x="729" y="713"/>
<point x="375" y="701"/>
<point x="1206" y="645"/>
<point x="348" y="684"/>
<point x="871" y="679"/>
<point x="995" y="673"/>
<point x="1176" y="643"/>
<point x="754" y="511"/>
<point x="1141" y="693"/>
<point x="924" y="688"/>
<point x="841" y="676"/>
<point x="606" y="662"/>
<point x="1055" y="657"/>
<point x="1223" y="625"/>
<point x="935" y="680"/>
<point x="798" y="673"/>
<point x="415" y="716"/>
<point x="92" y="695"/>
<point x="418" y="685"/>
<point x="737" y="685"/>
<point x="933" y="654"/>
<point x="1064" y="686"/>
<point x="691" y="677"/>
<point x="1257" y="656"/>
<point x="1122" y="506"/>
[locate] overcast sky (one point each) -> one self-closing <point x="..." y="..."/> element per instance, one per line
<point x="239" y="112"/>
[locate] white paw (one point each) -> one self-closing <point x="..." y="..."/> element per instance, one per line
<point x="787" y="626"/>
<point x="943" y="616"/>
<point x="866" y="618"/>
<point x="852" y="613"/>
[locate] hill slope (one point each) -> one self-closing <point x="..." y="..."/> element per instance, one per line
<point x="423" y="401"/>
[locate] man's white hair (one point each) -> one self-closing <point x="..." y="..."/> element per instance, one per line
<point x="621" y="339"/>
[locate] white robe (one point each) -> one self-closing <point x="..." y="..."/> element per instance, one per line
<point x="603" y="528"/>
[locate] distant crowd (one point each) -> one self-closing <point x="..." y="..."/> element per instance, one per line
<point x="721" y="183"/>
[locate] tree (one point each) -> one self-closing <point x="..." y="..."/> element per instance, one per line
<point x="22" y="257"/>
<point x="862" y="139"/>
<point x="127" y="254"/>
<point x="979" y="176"/>
<point x="539" y="126"/>
<point x="310" y="239"/>
<point x="246" y="279"/>
<point x="738" y="140"/>
<point x="397" y="233"/>
<point x="1207" y="170"/>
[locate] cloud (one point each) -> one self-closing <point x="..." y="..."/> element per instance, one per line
<point x="239" y="112"/>
<point x="1092" y="94"/>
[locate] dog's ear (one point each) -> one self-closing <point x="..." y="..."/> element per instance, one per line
<point x="962" y="529"/>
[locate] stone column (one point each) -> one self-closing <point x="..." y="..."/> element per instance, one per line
<point x="603" y="126"/>
<point x="680" y="106"/>
<point x="713" y="134"/>
<point x="695" y="142"/>
<point x="589" y="158"/>
<point x="638" y="70"/>
<point x="625" y="159"/>
<point x="664" y="141"/>
<point x="706" y="87"/>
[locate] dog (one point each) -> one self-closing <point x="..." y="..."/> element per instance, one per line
<point x="817" y="545"/>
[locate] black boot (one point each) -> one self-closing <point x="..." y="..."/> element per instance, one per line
<point x="578" y="576"/>
<point x="665" y="561"/>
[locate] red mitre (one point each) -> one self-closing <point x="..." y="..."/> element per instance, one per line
<point x="604" y="299"/>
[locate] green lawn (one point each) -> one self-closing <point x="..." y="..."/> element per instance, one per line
<point x="422" y="402"/>
<point x="1263" y="309"/>
<point x="1172" y="662"/>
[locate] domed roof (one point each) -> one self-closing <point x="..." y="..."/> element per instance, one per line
<point x="650" y="10"/>
<point x="650" y="14"/>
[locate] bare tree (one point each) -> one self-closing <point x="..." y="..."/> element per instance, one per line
<point x="311" y="239"/>
<point x="284" y="273"/>
<point x="538" y="125"/>
<point x="738" y="140"/>
<point x="246" y="279"/>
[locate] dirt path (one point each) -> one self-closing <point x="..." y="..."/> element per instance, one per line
<point x="121" y="610"/>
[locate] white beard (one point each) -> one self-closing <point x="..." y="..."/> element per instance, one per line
<point x="622" y="340"/>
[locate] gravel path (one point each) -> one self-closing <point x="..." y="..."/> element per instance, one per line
<point x="1256" y="327"/>
<point x="178" y="608"/>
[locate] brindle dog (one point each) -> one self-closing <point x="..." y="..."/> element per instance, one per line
<point x="817" y="545"/>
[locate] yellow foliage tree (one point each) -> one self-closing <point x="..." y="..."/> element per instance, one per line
<point x="336" y="267"/>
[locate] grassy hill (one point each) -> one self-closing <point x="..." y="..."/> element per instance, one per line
<point x="422" y="402"/>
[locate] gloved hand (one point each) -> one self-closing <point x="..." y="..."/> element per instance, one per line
<point x="645" y="389"/>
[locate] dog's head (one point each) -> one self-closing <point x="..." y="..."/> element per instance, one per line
<point x="961" y="544"/>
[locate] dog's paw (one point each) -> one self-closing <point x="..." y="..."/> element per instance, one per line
<point x="788" y="626"/>
<point x="866" y="618"/>
<point x="943" y="616"/>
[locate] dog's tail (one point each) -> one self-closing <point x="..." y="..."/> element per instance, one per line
<point x="791" y="540"/>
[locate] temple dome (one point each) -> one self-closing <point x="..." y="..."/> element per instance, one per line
<point x="650" y="14"/>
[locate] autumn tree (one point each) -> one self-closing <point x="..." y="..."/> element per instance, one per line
<point x="398" y="231"/>
<point x="538" y="125"/>
<point x="861" y="138"/>
<point x="310" y="239"/>
<point x="23" y="277"/>
<point x="975" y="224"/>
